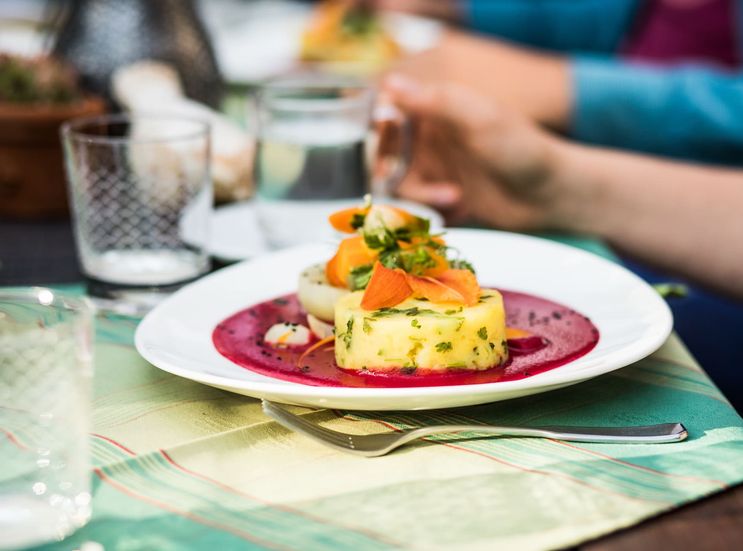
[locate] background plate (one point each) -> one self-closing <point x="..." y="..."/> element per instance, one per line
<point x="237" y="235"/>
<point x="632" y="319"/>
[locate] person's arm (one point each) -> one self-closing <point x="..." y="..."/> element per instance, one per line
<point x="531" y="82"/>
<point x="558" y="25"/>
<point x="481" y="162"/>
<point x="690" y="112"/>
<point x="683" y="217"/>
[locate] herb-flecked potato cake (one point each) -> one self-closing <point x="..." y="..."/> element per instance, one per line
<point x="420" y="334"/>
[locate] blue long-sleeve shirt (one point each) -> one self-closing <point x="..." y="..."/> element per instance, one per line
<point x="692" y="112"/>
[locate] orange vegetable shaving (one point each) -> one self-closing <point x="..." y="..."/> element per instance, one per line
<point x="352" y="252"/>
<point x="311" y="349"/>
<point x="433" y="290"/>
<point x="441" y="264"/>
<point x="386" y="288"/>
<point x="464" y="282"/>
<point x="513" y="333"/>
<point x="342" y="220"/>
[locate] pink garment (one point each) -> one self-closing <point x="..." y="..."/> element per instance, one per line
<point x="673" y="31"/>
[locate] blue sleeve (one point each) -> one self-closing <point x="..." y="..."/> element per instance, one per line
<point x="691" y="112"/>
<point x="560" y="25"/>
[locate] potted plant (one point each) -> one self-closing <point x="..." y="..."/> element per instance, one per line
<point x="36" y="97"/>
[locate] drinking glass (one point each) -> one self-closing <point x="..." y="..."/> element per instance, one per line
<point x="137" y="185"/>
<point x="45" y="376"/>
<point x="321" y="142"/>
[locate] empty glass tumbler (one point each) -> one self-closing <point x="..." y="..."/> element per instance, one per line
<point x="141" y="198"/>
<point x="45" y="379"/>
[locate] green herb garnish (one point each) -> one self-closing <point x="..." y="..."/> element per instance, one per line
<point x="443" y="347"/>
<point x="360" y="276"/>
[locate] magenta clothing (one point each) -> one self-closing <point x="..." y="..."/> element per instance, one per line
<point x="670" y="31"/>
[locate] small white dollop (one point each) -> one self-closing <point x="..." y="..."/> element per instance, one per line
<point x="321" y="329"/>
<point x="287" y="334"/>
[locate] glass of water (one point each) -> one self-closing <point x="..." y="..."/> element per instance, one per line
<point x="323" y="143"/>
<point x="45" y="377"/>
<point x="138" y="184"/>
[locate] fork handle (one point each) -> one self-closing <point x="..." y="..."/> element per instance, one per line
<point x="650" y="434"/>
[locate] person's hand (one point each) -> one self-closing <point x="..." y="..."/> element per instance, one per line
<point x="536" y="84"/>
<point x="474" y="160"/>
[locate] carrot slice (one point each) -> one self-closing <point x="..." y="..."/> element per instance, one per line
<point x="464" y="282"/>
<point x="386" y="288"/>
<point x="332" y="271"/>
<point x="433" y="290"/>
<point x="342" y="220"/>
<point x="318" y="344"/>
<point x="513" y="333"/>
<point x="352" y="252"/>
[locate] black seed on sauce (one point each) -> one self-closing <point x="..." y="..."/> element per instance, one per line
<point x="557" y="315"/>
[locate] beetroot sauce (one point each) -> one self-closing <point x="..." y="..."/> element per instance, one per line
<point x="565" y="335"/>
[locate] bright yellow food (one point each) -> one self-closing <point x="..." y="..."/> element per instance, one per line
<point x="348" y="36"/>
<point x="421" y="334"/>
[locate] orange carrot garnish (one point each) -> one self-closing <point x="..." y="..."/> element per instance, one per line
<point x="332" y="271"/>
<point x="311" y="349"/>
<point x="343" y="219"/>
<point x="464" y="282"/>
<point x="386" y="288"/>
<point x="512" y="333"/>
<point x="352" y="252"/>
<point x="433" y="290"/>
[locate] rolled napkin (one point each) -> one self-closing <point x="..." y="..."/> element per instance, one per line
<point x="154" y="87"/>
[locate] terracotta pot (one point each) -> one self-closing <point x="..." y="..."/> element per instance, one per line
<point x="32" y="181"/>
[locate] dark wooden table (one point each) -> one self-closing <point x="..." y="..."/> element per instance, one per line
<point x="40" y="253"/>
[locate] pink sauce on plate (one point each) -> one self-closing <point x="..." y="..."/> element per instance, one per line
<point x="565" y="335"/>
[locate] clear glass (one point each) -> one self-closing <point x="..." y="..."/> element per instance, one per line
<point x="321" y="142"/>
<point x="45" y="378"/>
<point x="137" y="185"/>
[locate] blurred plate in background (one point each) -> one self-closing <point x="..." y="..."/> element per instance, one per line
<point x="254" y="41"/>
<point x="236" y="233"/>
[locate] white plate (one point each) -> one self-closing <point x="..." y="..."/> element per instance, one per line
<point x="632" y="319"/>
<point x="236" y="234"/>
<point x="254" y="41"/>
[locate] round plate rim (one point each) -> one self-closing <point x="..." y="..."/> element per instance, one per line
<point x="298" y="391"/>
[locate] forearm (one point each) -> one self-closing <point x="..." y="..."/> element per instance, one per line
<point x="683" y="217"/>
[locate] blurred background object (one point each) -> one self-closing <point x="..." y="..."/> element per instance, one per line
<point x="155" y="87"/>
<point x="259" y="39"/>
<point x="99" y="36"/>
<point x="349" y="36"/>
<point x="36" y="96"/>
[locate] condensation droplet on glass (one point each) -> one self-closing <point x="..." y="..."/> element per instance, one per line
<point x="39" y="488"/>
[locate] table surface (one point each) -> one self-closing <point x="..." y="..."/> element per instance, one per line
<point x="38" y="253"/>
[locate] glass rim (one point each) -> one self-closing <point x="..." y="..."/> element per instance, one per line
<point x="72" y="129"/>
<point x="363" y="99"/>
<point x="44" y="296"/>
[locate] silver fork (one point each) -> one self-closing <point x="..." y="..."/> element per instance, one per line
<point x="374" y="445"/>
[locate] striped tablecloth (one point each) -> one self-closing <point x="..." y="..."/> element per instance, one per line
<point x="181" y="465"/>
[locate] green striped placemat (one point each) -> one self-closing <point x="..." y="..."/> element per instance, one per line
<point x="180" y="465"/>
